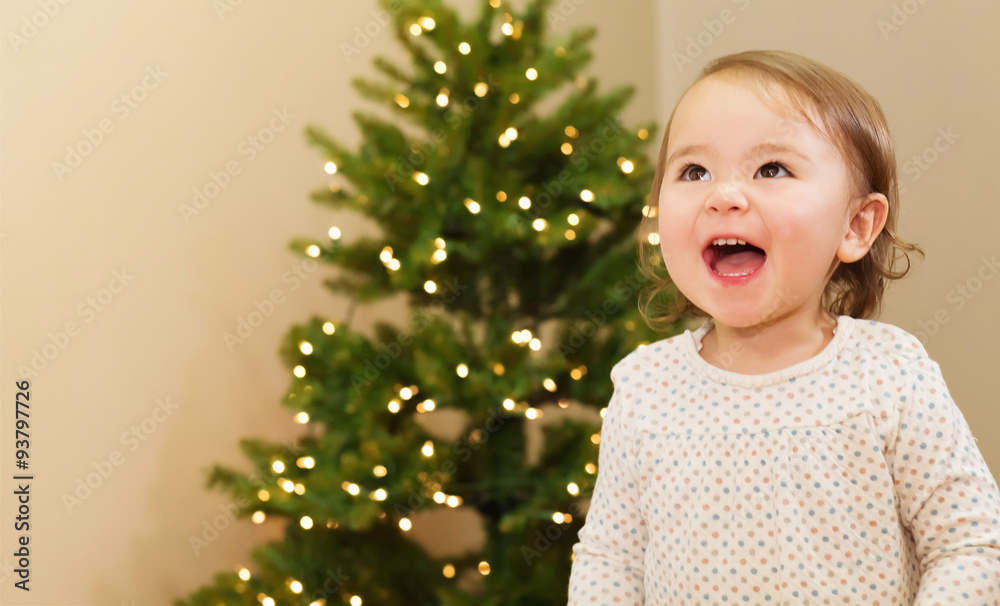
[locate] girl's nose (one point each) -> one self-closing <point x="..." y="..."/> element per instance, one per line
<point x="726" y="197"/>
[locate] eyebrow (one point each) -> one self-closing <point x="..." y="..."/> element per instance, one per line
<point x="760" y="149"/>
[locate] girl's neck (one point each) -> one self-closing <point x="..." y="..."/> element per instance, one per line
<point x="768" y="347"/>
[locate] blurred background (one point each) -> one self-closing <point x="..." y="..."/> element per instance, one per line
<point x="172" y="226"/>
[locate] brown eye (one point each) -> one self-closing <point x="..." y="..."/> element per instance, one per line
<point x="771" y="170"/>
<point x="693" y="172"/>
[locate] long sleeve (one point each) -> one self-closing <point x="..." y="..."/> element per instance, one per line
<point x="946" y="495"/>
<point x="608" y="559"/>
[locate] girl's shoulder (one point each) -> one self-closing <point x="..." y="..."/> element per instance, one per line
<point x="887" y="340"/>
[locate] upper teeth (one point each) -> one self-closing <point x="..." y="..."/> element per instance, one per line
<point x="722" y="241"/>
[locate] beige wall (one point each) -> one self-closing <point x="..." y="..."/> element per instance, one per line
<point x="160" y="336"/>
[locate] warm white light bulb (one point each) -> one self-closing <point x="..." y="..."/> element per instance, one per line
<point x="312" y="251"/>
<point x="330" y="168"/>
<point x="306" y="522"/>
<point x="464" y="48"/>
<point x="334" y="233"/>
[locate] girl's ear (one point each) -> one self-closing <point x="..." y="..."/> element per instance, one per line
<point x="870" y="212"/>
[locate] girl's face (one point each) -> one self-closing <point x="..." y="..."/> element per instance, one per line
<point x="737" y="170"/>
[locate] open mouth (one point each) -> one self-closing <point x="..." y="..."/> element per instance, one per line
<point x="734" y="260"/>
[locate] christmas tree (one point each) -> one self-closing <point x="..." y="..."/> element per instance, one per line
<point x="512" y="232"/>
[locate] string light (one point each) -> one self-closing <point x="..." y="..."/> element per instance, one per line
<point x="566" y="148"/>
<point x="430" y="286"/>
<point x="334" y="233"/>
<point x="278" y="466"/>
<point x="302" y="418"/>
<point x="573" y="219"/>
<point x="244" y="574"/>
<point x="442" y="98"/>
<point x="571" y="132"/>
<point x="330" y="168"/>
<point x="570" y="234"/>
<point x="306" y="462"/>
<point x="557" y="517"/>
<point x="538" y="224"/>
<point x="287" y="485"/>
<point x="379" y="495"/>
<point x="440" y="243"/>
<point x="503" y="140"/>
<point x="587" y="195"/>
<point x="524" y="202"/>
<point x="531" y="73"/>
<point x="448" y="571"/>
<point x="462" y="370"/>
<point x="421" y="178"/>
<point x="416" y="30"/>
<point x="481" y="88"/>
<point x="549" y="384"/>
<point x="405" y="524"/>
<point x="508" y="404"/>
<point x="312" y="250"/>
<point x="306" y="522"/>
<point x="454" y="501"/>
<point x="428" y="24"/>
<point x="295" y="586"/>
<point x="266" y="601"/>
<point x="438" y="256"/>
<point x="596" y="438"/>
<point x="300" y="489"/>
<point x="590" y="468"/>
<point x="604" y="411"/>
<point x="625" y="165"/>
<point x="426" y="406"/>
<point x="511" y="133"/>
<point x="439" y="497"/>
<point x="299" y="371"/>
<point x="501" y="196"/>
<point x="406" y="393"/>
<point x="440" y="67"/>
<point x="653" y="238"/>
<point x="393" y="265"/>
<point x="573" y="489"/>
<point x="428" y="448"/>
<point x="305" y="347"/>
<point x="394" y="406"/>
<point x="535" y="344"/>
<point x="472" y="205"/>
<point x="356" y="600"/>
<point x="379" y="471"/>
<point x="532" y="413"/>
<point x="563" y="403"/>
<point x="507" y="29"/>
<point x="514" y="98"/>
<point x="258" y="517"/>
<point x="402" y="100"/>
<point x="464" y="48"/>
<point x="352" y="488"/>
<point x="498" y="369"/>
<point x="484" y="568"/>
<point x="329" y="328"/>
<point x="263" y="495"/>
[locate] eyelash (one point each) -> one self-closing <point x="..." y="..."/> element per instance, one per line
<point x="684" y="168"/>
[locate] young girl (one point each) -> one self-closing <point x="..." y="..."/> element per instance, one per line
<point x="788" y="451"/>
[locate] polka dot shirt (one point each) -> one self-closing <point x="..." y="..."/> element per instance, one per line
<point x="848" y="478"/>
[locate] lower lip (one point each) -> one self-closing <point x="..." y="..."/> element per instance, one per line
<point x="735" y="280"/>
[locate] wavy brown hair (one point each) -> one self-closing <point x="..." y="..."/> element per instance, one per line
<point x="852" y="120"/>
